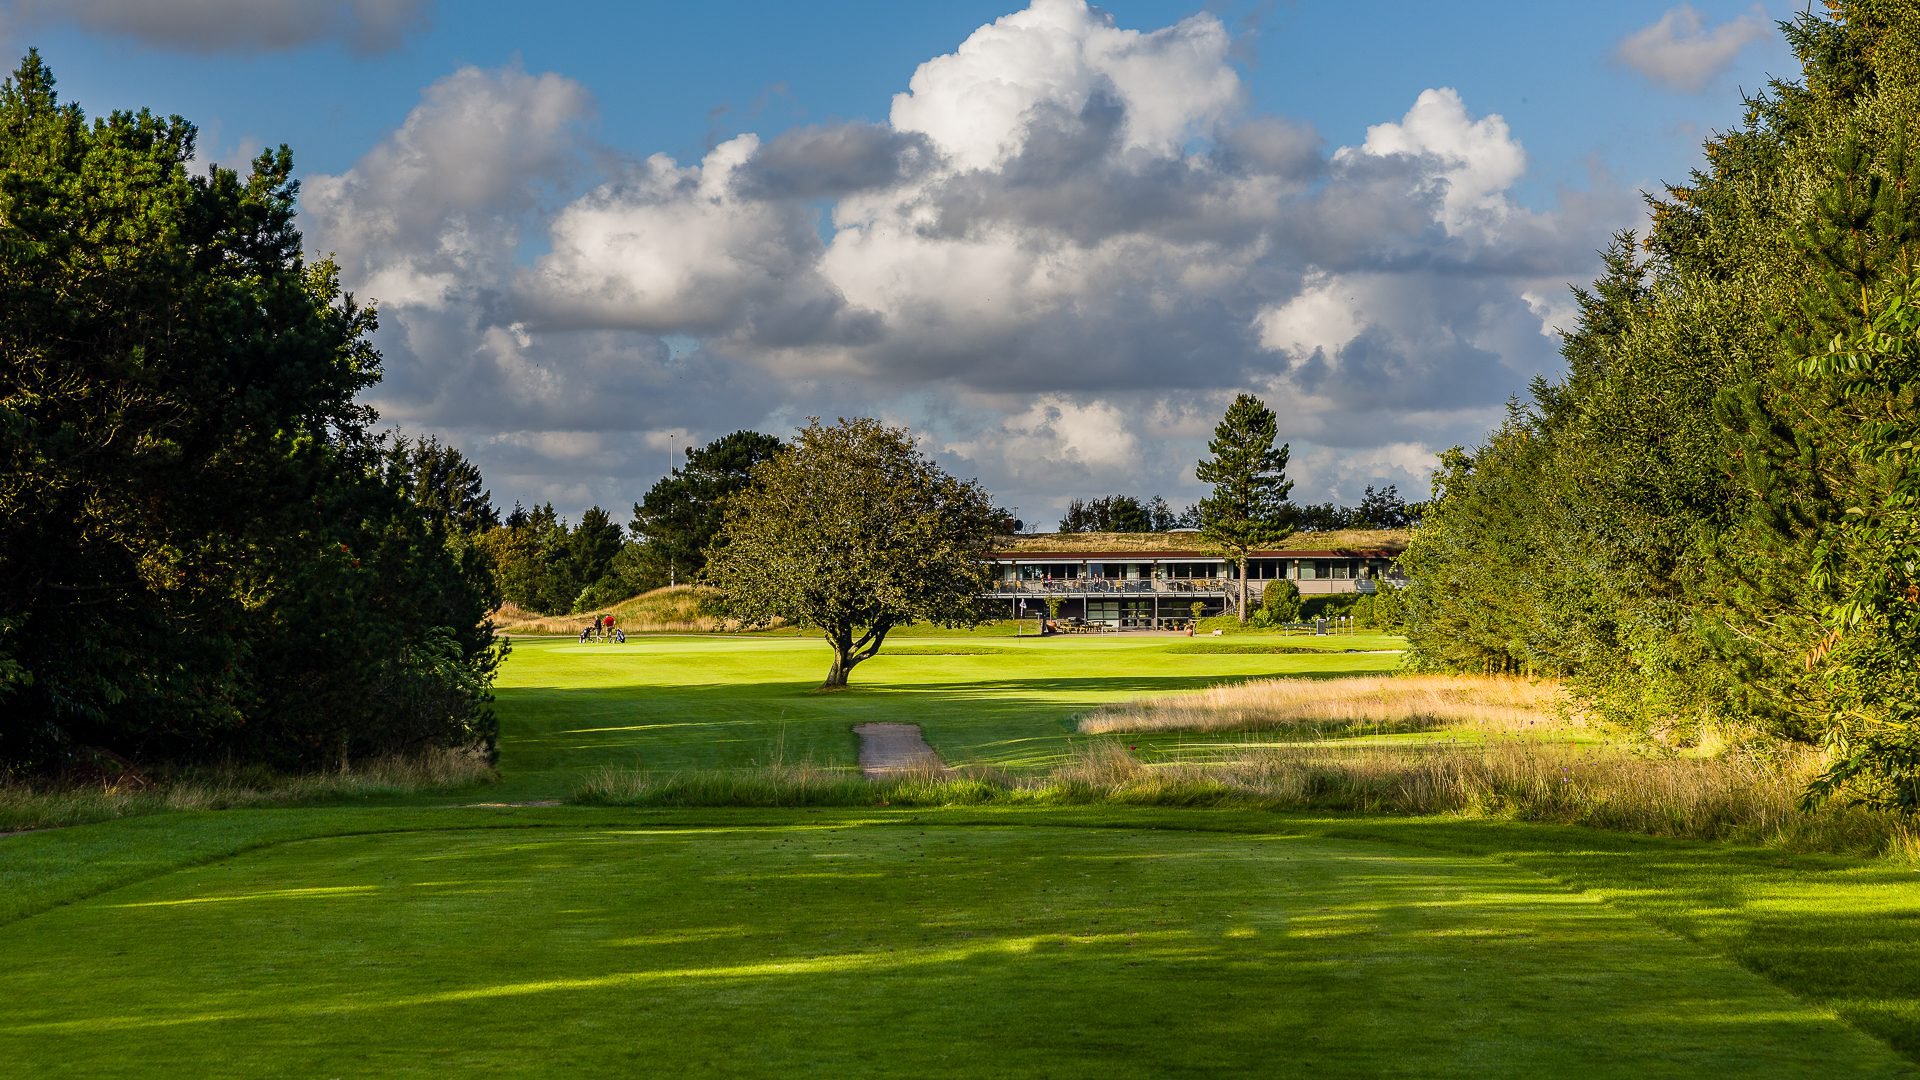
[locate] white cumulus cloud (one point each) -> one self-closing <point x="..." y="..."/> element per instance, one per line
<point x="1066" y="249"/>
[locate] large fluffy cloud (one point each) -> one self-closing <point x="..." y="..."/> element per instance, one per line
<point x="1066" y="248"/>
<point x="235" y="25"/>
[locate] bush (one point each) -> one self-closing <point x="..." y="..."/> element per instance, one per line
<point x="1280" y="602"/>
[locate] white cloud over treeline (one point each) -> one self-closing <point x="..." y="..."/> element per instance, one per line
<point x="1062" y="252"/>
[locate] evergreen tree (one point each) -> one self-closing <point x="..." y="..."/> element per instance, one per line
<point x="591" y="550"/>
<point x="680" y="516"/>
<point x="203" y="553"/>
<point x="1247" y="509"/>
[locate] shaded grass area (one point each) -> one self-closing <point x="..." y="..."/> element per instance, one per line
<point x="894" y="943"/>
<point x="707" y="702"/>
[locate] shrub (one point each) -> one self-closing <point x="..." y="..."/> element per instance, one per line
<point x="1280" y="602"/>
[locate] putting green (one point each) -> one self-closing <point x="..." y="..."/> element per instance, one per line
<point x="844" y="947"/>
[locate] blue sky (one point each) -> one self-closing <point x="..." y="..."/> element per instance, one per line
<point x="560" y="310"/>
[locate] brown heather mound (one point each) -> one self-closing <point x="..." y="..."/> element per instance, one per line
<point x="676" y="608"/>
<point x="1338" y="540"/>
<point x="1489" y="703"/>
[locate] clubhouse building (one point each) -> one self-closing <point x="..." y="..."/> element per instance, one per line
<point x="1152" y="580"/>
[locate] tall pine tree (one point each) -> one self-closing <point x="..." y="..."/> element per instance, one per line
<point x="1248" y="508"/>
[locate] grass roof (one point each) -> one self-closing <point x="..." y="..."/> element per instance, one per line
<point x="1336" y="540"/>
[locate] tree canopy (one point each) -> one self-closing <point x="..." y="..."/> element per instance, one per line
<point x="852" y="531"/>
<point x="203" y="550"/>
<point x="1710" y="520"/>
<point x="678" y="518"/>
<point x="1123" y="514"/>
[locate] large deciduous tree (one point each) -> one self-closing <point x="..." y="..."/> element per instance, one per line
<point x="1248" y="507"/>
<point x="852" y="531"/>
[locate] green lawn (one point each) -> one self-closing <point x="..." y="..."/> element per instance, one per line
<point x="417" y="939"/>
<point x="705" y="701"/>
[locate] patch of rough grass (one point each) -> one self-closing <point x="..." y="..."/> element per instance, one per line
<point x="796" y="785"/>
<point x="42" y="805"/>
<point x="1737" y="796"/>
<point x="1373" y="704"/>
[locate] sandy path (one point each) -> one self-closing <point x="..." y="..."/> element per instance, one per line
<point x="889" y="749"/>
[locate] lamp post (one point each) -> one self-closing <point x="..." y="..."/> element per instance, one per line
<point x="670" y="575"/>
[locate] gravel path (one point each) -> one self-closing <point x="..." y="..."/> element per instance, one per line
<point x="889" y="749"/>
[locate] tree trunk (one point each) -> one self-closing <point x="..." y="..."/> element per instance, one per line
<point x="1243" y="592"/>
<point x="843" y="661"/>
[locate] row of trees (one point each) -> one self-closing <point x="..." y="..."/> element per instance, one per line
<point x="1125" y="514"/>
<point x="542" y="562"/>
<point x="1378" y="509"/>
<point x="1714" y="517"/>
<point x="205" y="550"/>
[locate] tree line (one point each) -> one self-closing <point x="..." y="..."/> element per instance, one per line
<point x="207" y="552"/>
<point x="1712" y="520"/>
<point x="1378" y="509"/>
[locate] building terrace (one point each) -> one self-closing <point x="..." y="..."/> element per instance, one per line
<point x="1146" y="580"/>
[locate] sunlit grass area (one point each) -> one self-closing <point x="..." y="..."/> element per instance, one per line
<point x="849" y="946"/>
<point x="723" y="701"/>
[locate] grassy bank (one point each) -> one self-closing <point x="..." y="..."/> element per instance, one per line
<point x="676" y="609"/>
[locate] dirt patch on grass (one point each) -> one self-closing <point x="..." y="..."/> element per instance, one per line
<point x="888" y="750"/>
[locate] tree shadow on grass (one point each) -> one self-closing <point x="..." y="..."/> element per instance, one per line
<point x="1841" y="932"/>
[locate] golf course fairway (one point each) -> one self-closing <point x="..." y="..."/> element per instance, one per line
<point x="844" y="947"/>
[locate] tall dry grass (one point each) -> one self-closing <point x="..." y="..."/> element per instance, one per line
<point x="1746" y="796"/>
<point x="41" y="805"/>
<point x="1367" y="704"/>
<point x="673" y="609"/>
<point x="1741" y="797"/>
